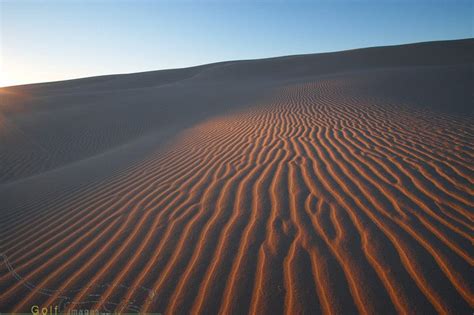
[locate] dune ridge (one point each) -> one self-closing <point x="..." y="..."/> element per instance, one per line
<point x="342" y="193"/>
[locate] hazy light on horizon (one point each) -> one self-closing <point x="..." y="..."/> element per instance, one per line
<point x="55" y="40"/>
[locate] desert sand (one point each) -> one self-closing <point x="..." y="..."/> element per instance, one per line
<point x="335" y="183"/>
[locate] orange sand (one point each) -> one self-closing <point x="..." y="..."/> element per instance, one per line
<point x="335" y="183"/>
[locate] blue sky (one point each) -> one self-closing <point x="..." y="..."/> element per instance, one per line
<point x="54" y="40"/>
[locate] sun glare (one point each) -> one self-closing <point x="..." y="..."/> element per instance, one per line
<point x="3" y="77"/>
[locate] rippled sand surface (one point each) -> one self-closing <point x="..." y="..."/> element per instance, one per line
<point x="335" y="183"/>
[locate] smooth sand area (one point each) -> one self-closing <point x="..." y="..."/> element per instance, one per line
<point x="336" y="183"/>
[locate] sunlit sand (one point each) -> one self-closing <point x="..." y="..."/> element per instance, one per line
<point x="336" y="183"/>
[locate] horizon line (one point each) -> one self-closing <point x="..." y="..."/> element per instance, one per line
<point x="235" y="60"/>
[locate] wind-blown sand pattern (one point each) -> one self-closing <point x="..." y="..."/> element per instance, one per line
<point x="334" y="183"/>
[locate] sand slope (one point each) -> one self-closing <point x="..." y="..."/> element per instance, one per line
<point x="333" y="183"/>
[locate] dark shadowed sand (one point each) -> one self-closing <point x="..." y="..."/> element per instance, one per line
<point x="336" y="183"/>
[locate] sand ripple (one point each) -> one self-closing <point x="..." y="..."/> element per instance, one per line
<point x="324" y="197"/>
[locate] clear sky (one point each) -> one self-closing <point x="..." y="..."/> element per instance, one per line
<point x="54" y="40"/>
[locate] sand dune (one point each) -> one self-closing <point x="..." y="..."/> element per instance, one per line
<point x="336" y="183"/>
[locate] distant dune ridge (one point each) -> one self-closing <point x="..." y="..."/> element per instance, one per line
<point x="336" y="183"/>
